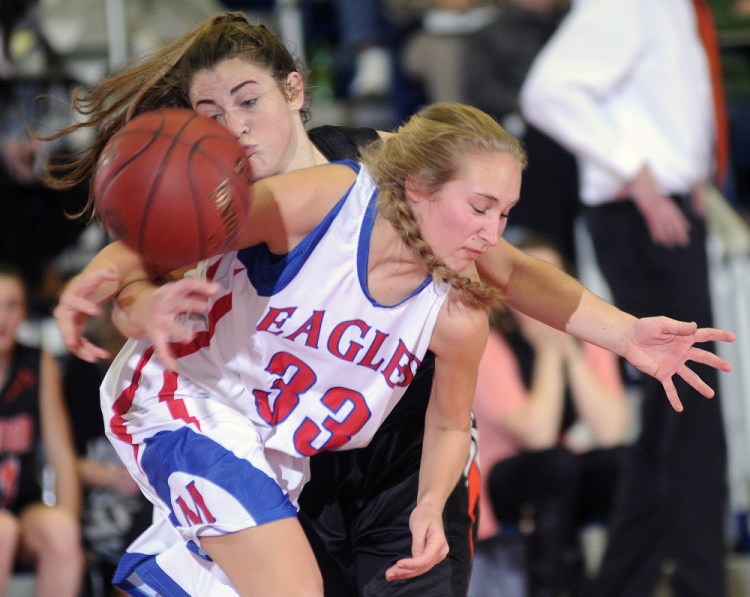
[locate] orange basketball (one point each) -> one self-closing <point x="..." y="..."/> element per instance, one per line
<point x="173" y="186"/>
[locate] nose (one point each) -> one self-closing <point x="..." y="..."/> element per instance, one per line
<point x="235" y="124"/>
<point x="492" y="231"/>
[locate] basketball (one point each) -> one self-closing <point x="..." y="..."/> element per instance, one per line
<point x="173" y="185"/>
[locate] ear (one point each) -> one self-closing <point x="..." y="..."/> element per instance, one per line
<point x="295" y="90"/>
<point x="414" y="191"/>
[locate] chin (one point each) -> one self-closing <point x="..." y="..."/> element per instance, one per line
<point x="458" y="265"/>
<point x="259" y="169"/>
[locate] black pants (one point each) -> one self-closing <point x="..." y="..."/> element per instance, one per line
<point x="674" y="490"/>
<point x="558" y="492"/>
<point x="355" y="510"/>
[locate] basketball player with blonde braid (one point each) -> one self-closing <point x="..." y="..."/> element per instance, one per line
<point x="313" y="351"/>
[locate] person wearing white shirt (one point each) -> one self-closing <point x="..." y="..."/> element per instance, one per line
<point x="625" y="86"/>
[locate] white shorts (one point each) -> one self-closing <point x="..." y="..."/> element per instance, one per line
<point x="159" y="563"/>
<point x="213" y="476"/>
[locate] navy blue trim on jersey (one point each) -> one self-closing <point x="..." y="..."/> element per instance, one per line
<point x="269" y="273"/>
<point x="363" y="254"/>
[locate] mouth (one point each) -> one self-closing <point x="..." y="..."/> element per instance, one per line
<point x="250" y="150"/>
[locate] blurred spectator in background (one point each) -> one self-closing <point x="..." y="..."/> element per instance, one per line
<point x="553" y="418"/>
<point x="115" y="511"/>
<point x="33" y="224"/>
<point x="626" y="85"/>
<point x="501" y="52"/>
<point x="38" y="524"/>
<point x="434" y="53"/>
<point x="364" y="36"/>
<point x="498" y="56"/>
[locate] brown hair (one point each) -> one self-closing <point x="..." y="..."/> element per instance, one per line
<point x="12" y="271"/>
<point x="431" y="149"/>
<point x="162" y="80"/>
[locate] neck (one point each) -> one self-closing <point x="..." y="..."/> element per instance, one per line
<point x="306" y="154"/>
<point x="393" y="269"/>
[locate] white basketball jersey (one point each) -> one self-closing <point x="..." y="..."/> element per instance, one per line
<point x="296" y="344"/>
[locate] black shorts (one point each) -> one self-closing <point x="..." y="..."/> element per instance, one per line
<point x="356" y="507"/>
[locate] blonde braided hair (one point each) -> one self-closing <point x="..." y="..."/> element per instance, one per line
<point x="431" y="149"/>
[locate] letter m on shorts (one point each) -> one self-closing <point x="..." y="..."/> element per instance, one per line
<point x="200" y="513"/>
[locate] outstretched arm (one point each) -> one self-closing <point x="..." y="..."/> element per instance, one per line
<point x="457" y="342"/>
<point x="658" y="346"/>
<point x="282" y="211"/>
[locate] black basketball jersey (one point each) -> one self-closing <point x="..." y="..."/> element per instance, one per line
<point x="341" y="142"/>
<point x="20" y="441"/>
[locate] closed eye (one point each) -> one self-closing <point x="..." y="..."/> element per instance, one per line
<point x="506" y="213"/>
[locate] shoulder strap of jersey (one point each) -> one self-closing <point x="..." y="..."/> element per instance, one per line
<point x="340" y="142"/>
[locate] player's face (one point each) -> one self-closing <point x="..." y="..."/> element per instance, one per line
<point x="467" y="215"/>
<point x="247" y="100"/>
<point x="12" y="311"/>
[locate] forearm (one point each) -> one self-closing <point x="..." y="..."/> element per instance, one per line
<point x="98" y="474"/>
<point x="444" y="455"/>
<point x="458" y="344"/>
<point x="131" y="308"/>
<point x="602" y="324"/>
<point x="548" y="294"/>
<point x="128" y="265"/>
<point x="67" y="484"/>
<point x="62" y="461"/>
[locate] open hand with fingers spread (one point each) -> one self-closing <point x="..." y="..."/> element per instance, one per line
<point x="662" y="347"/>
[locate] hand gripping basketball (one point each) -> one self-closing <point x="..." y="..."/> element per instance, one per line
<point x="173" y="185"/>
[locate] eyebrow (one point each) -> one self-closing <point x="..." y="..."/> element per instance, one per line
<point x="232" y="91"/>
<point x="488" y="196"/>
<point x="239" y="86"/>
<point x="496" y="200"/>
